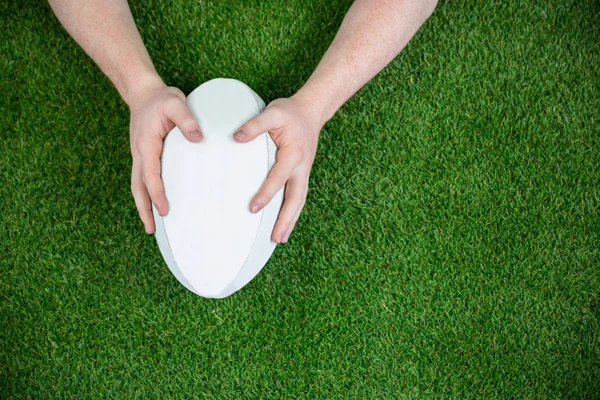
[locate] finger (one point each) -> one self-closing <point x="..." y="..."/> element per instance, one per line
<point x="295" y="219"/>
<point x="294" y="191"/>
<point x="150" y="154"/>
<point x="141" y="198"/>
<point x="271" y="118"/>
<point x="178" y="113"/>
<point x="288" y="158"/>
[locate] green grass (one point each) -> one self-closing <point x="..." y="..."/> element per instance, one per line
<point x="449" y="246"/>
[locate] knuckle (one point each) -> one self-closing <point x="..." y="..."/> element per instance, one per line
<point x="275" y="111"/>
<point x="305" y="171"/>
<point x="254" y="126"/>
<point x="187" y="119"/>
<point x="139" y="142"/>
<point x="299" y="155"/>
<point x="298" y="202"/>
<point x="155" y="195"/>
<point x="173" y="101"/>
<point x="143" y="213"/>
<point x="176" y="93"/>
<point x="148" y="176"/>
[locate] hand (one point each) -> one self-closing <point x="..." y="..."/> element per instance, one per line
<point x="155" y="110"/>
<point x="295" y="130"/>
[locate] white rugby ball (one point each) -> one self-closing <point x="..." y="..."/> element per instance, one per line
<point x="209" y="239"/>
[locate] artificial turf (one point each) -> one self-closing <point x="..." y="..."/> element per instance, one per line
<point x="449" y="246"/>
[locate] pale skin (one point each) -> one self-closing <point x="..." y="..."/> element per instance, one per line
<point x="372" y="33"/>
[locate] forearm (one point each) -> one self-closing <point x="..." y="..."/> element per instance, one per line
<point x="106" y="31"/>
<point x="372" y="33"/>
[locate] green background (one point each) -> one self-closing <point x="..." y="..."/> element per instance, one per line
<point x="449" y="246"/>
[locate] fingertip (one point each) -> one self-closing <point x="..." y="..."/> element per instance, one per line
<point x="178" y="113"/>
<point x="163" y="211"/>
<point x="160" y="203"/>
<point x="149" y="227"/>
<point x="239" y="136"/>
<point x="281" y="237"/>
<point x="195" y="135"/>
<point x="162" y="208"/>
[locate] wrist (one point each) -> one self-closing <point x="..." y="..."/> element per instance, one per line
<point x="141" y="84"/>
<point x="318" y="104"/>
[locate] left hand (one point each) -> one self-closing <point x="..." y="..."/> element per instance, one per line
<point x="295" y="129"/>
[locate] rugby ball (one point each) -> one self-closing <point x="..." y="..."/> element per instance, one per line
<point x="209" y="239"/>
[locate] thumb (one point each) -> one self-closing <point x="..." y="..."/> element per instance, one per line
<point x="271" y="118"/>
<point x="182" y="117"/>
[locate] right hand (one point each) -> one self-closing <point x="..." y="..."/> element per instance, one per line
<point x="155" y="109"/>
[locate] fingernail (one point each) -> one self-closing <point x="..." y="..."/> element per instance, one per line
<point x="256" y="208"/>
<point x="239" y="135"/>
<point x="195" y="134"/>
<point x="284" y="237"/>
